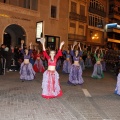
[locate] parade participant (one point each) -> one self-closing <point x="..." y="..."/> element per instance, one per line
<point x="50" y="83"/>
<point x="117" y="89"/>
<point x="75" y="76"/>
<point x="67" y="62"/>
<point x="88" y="61"/>
<point x="32" y="61"/>
<point x="82" y="63"/>
<point x="98" y="71"/>
<point x="26" y="69"/>
<point x="103" y="64"/>
<point x="38" y="65"/>
<point x="58" y="64"/>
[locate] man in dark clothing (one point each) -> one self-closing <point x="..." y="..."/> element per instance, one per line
<point x="2" y="54"/>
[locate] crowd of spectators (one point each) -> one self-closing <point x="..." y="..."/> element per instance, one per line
<point x="14" y="58"/>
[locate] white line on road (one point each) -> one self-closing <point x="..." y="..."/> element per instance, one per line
<point x="87" y="94"/>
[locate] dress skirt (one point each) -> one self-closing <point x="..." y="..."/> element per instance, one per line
<point x="50" y="85"/>
<point x="103" y="65"/>
<point x="66" y="66"/>
<point x="88" y="62"/>
<point x="38" y="66"/>
<point x="27" y="72"/>
<point x="117" y="89"/>
<point x="75" y="76"/>
<point x="98" y="71"/>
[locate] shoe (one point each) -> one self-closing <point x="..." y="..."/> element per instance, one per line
<point x="10" y="70"/>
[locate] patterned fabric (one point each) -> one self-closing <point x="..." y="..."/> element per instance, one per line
<point x="75" y="76"/>
<point x="97" y="72"/>
<point x="88" y="62"/>
<point x="117" y="89"/>
<point x="103" y="65"/>
<point x="66" y="66"/>
<point x="38" y="66"/>
<point x="50" y="85"/>
<point x="82" y="64"/>
<point x="27" y="72"/>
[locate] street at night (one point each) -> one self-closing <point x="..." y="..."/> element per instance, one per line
<point x="94" y="100"/>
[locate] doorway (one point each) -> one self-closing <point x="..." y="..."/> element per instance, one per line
<point x="13" y="34"/>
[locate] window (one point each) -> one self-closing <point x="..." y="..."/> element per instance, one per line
<point x="72" y="25"/>
<point x="96" y="21"/>
<point x="53" y="11"/>
<point x="4" y="1"/>
<point x="73" y="7"/>
<point x="82" y="10"/>
<point x="96" y="4"/>
<point x="29" y="4"/>
<point x="81" y="30"/>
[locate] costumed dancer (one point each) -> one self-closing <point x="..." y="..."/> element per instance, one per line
<point x="75" y="76"/>
<point x="67" y="62"/>
<point x="58" y="64"/>
<point x="103" y="64"/>
<point x="32" y="61"/>
<point x="26" y="68"/>
<point x="38" y="65"/>
<point x="50" y="83"/>
<point x="98" y="70"/>
<point x="117" y="89"/>
<point x="82" y="63"/>
<point x="88" y="61"/>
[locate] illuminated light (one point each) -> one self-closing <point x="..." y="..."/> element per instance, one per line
<point x="118" y="26"/>
<point x="4" y="15"/>
<point x="92" y="37"/>
<point x="95" y="34"/>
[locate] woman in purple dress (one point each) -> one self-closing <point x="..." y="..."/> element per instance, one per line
<point x="26" y="68"/>
<point x="117" y="89"/>
<point x="75" y="76"/>
<point x="67" y="62"/>
<point x="88" y="61"/>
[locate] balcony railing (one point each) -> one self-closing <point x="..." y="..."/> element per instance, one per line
<point x="114" y="12"/>
<point x="76" y="37"/>
<point x="77" y="17"/>
<point x="97" y="11"/>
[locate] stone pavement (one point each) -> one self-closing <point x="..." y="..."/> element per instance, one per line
<point x="94" y="100"/>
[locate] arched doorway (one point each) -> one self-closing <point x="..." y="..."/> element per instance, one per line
<point x="13" y="34"/>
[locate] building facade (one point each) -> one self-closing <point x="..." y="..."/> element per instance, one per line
<point x="19" y="20"/>
<point x="113" y="34"/>
<point x="77" y="25"/>
<point x="59" y="20"/>
<point x="97" y="19"/>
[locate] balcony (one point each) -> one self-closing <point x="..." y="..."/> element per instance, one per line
<point x="97" y="11"/>
<point x="77" y="17"/>
<point x="76" y="37"/>
<point x="114" y="14"/>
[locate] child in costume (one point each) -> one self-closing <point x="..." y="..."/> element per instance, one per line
<point x="50" y="83"/>
<point x="117" y="89"/>
<point x="75" y="76"/>
<point x="26" y="68"/>
<point x="98" y="70"/>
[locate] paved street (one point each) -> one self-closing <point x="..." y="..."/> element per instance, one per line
<point x="94" y="100"/>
